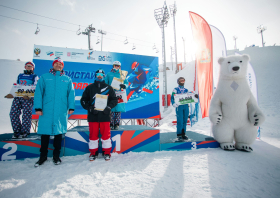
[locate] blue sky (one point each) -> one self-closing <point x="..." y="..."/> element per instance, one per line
<point x="133" y="19"/>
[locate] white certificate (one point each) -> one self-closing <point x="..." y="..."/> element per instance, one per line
<point x="186" y="98"/>
<point x="122" y="97"/>
<point x="20" y="91"/>
<point x="100" y="102"/>
<point x="116" y="83"/>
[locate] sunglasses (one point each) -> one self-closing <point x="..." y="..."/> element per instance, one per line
<point x="100" y="74"/>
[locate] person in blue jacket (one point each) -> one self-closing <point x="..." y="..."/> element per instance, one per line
<point x="54" y="98"/>
<point x="25" y="103"/>
<point x="182" y="111"/>
<point x="116" y="111"/>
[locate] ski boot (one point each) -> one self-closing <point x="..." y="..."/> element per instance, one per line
<point x="41" y="161"/>
<point x="116" y="127"/>
<point x="112" y="127"/>
<point x="56" y="160"/>
<point x="93" y="157"/>
<point x="107" y="157"/>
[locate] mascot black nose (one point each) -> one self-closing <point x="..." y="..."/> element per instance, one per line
<point x="236" y="68"/>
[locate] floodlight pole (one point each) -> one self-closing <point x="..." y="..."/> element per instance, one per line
<point x="260" y="30"/>
<point x="162" y="16"/>
<point x="102" y="32"/>
<point x="171" y="57"/>
<point x="173" y="10"/>
<point x="87" y="32"/>
<point x="184" y="50"/>
<point x="234" y="38"/>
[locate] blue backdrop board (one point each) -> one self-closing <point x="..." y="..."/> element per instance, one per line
<point x="80" y="65"/>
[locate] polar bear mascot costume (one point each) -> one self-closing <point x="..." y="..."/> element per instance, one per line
<point x="234" y="112"/>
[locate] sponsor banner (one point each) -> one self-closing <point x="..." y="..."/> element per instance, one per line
<point x="73" y="55"/>
<point x="219" y="50"/>
<point x="20" y="91"/>
<point x="81" y="65"/>
<point x="204" y="60"/>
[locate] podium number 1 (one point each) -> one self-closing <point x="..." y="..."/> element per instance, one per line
<point x="117" y="139"/>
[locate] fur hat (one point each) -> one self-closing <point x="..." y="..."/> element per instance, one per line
<point x="58" y="60"/>
<point x="180" y="79"/>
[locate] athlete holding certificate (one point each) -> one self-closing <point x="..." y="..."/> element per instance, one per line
<point x="93" y="99"/>
<point x="182" y="111"/>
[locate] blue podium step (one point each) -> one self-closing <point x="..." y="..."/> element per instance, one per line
<point x="135" y="138"/>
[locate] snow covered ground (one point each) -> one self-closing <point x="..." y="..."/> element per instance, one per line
<point x="199" y="173"/>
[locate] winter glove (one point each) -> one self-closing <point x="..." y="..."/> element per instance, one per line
<point x="122" y="86"/>
<point x="26" y="97"/>
<point x="9" y="96"/>
<point x="92" y="110"/>
<point x="107" y="110"/>
<point x="196" y="96"/>
<point x="175" y="105"/>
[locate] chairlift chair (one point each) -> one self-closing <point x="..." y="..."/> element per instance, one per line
<point x="126" y="41"/>
<point x="98" y="41"/>
<point x="37" y="30"/>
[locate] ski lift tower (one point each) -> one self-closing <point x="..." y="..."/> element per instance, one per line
<point x="260" y="30"/>
<point x="87" y="32"/>
<point x="173" y="10"/>
<point x="234" y="38"/>
<point x="162" y="16"/>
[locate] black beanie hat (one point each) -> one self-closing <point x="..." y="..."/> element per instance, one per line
<point x="180" y="79"/>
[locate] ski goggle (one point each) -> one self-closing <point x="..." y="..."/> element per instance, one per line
<point x="100" y="74"/>
<point x="116" y="66"/>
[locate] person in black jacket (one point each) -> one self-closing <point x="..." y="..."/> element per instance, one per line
<point x="99" y="119"/>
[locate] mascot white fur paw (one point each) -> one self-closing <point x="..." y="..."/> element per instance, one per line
<point x="234" y="112"/>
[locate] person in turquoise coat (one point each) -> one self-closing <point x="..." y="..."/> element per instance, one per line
<point x="54" y="98"/>
<point x="116" y="111"/>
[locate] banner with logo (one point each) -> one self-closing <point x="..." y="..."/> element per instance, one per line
<point x="80" y="65"/>
<point x="219" y="50"/>
<point x="187" y="98"/>
<point x="204" y="61"/>
<point x="251" y="79"/>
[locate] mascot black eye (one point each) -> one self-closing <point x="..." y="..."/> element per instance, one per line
<point x="228" y="62"/>
<point x="240" y="61"/>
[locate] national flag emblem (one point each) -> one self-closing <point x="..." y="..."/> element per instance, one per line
<point x="49" y="53"/>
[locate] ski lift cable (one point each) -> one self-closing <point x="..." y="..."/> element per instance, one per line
<point x="65" y="29"/>
<point x="36" y="23"/>
<point x="63" y="22"/>
<point x="39" y="15"/>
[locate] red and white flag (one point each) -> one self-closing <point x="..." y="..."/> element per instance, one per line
<point x="204" y="61"/>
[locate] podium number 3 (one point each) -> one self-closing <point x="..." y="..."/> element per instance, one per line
<point x="193" y="145"/>
<point x="7" y="155"/>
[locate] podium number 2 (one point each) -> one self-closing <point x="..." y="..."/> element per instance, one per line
<point x="7" y="155"/>
<point x="117" y="139"/>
